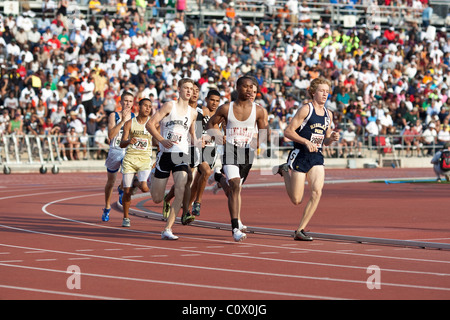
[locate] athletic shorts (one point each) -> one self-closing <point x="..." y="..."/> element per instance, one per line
<point x="134" y="164"/>
<point x="209" y="155"/>
<point x="167" y="162"/>
<point x="237" y="162"/>
<point x="114" y="159"/>
<point x="194" y="157"/>
<point x="304" y="161"/>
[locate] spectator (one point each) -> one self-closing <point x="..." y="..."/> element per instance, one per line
<point x="73" y="144"/>
<point x="429" y="139"/>
<point x="101" y="141"/>
<point x="395" y="70"/>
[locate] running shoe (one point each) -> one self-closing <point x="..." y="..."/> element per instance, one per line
<point x="126" y="222"/>
<point x="105" y="215"/>
<point x="187" y="218"/>
<point x="280" y="169"/>
<point x="120" y="191"/>
<point x="168" y="235"/>
<point x="196" y="208"/>
<point x="302" y="236"/>
<point x="166" y="208"/>
<point x="238" y="235"/>
<point x="242" y="227"/>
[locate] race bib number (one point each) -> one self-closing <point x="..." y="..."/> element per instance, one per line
<point x="141" y="144"/>
<point x="240" y="143"/>
<point x="317" y="139"/>
<point x="174" y="137"/>
<point x="118" y="138"/>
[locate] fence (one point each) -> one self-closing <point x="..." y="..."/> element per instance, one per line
<point x="53" y="150"/>
<point x="46" y="150"/>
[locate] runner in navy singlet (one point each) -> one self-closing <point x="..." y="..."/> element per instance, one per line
<point x="310" y="129"/>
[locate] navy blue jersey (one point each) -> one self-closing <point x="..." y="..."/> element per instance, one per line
<point x="313" y="128"/>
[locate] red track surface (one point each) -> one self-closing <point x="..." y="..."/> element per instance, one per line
<point x="50" y="222"/>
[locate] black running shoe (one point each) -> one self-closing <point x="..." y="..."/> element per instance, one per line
<point x="302" y="236"/>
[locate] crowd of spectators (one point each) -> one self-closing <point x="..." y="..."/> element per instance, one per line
<point x="63" y="73"/>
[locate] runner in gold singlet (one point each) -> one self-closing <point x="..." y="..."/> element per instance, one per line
<point x="137" y="160"/>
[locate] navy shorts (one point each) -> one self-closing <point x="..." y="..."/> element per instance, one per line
<point x="302" y="161"/>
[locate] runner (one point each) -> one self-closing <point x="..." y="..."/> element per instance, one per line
<point x="137" y="161"/>
<point x="208" y="154"/>
<point x="241" y="116"/>
<point x="194" y="154"/>
<point x="310" y="129"/>
<point x="177" y="125"/>
<point x="113" y="162"/>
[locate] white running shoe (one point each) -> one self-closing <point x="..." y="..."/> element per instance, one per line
<point x="126" y="222"/>
<point x="168" y="235"/>
<point x="238" y="236"/>
<point x="242" y="227"/>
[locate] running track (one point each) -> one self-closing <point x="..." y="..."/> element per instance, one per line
<point x="50" y="222"/>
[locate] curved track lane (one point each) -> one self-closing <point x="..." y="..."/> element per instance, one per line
<point x="50" y="224"/>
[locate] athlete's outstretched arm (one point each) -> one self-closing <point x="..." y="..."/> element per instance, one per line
<point x="214" y="122"/>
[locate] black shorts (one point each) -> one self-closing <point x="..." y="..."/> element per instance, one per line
<point x="194" y="157"/>
<point x="167" y="162"/>
<point x="209" y="155"/>
<point x="237" y="156"/>
<point x="302" y="161"/>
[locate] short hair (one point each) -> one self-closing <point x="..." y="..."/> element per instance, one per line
<point x="185" y="80"/>
<point x="213" y="92"/>
<point x="315" y="84"/>
<point x="143" y="100"/>
<point x="126" y="93"/>
<point x="252" y="79"/>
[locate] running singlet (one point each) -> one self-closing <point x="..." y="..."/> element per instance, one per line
<point x="209" y="141"/>
<point x="175" y="128"/>
<point x="115" y="142"/>
<point x="313" y="128"/>
<point x="143" y="145"/>
<point x="240" y="133"/>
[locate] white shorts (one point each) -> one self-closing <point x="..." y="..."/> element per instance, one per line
<point x="232" y="172"/>
<point x="128" y="178"/>
<point x="114" y="159"/>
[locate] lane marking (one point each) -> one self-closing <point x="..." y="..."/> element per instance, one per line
<point x="246" y="272"/>
<point x="182" y="284"/>
<point x="60" y="293"/>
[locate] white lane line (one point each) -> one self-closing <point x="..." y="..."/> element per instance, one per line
<point x="237" y="271"/>
<point x="258" y="258"/>
<point x="44" y="260"/>
<point x="185" y="284"/>
<point x="59" y="293"/>
<point x="44" y="209"/>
